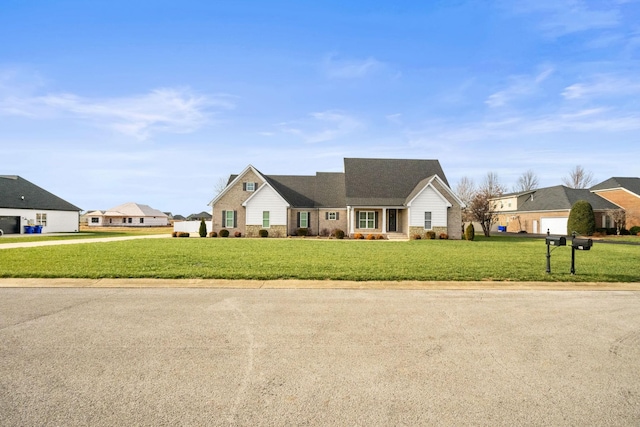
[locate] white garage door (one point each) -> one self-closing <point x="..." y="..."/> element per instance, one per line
<point x="555" y="225"/>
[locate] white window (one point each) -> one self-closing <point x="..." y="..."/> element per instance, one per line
<point x="250" y="186"/>
<point x="332" y="216"/>
<point x="304" y="219"/>
<point x="366" y="219"/>
<point x="265" y="219"/>
<point x="41" y="219"/>
<point x="427" y="220"/>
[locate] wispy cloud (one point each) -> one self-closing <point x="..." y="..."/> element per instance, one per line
<point x="338" y="68"/>
<point x="561" y="17"/>
<point x="172" y="110"/>
<point x="322" y="126"/>
<point x="519" y="86"/>
<point x="604" y="85"/>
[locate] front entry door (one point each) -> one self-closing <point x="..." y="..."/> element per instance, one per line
<point x="393" y="214"/>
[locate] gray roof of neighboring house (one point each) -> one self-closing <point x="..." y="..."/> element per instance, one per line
<point x="629" y="183"/>
<point x="561" y="197"/>
<point x="18" y="193"/>
<point x="201" y="215"/>
<point x="375" y="182"/>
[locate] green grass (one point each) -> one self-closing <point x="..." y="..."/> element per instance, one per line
<point x="85" y="234"/>
<point x="497" y="258"/>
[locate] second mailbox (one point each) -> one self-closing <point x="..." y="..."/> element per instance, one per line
<point x="582" y="244"/>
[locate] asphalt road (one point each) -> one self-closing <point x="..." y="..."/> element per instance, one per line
<point x="161" y="356"/>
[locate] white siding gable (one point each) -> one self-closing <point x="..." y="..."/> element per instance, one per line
<point x="266" y="199"/>
<point x="429" y="200"/>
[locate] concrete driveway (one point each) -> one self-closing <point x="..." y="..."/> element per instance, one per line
<point x="161" y="356"/>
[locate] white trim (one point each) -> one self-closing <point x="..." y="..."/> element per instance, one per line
<point x="260" y="188"/>
<point x="429" y="184"/>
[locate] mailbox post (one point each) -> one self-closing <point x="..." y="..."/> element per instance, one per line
<point x="553" y="241"/>
<point x="580" y="245"/>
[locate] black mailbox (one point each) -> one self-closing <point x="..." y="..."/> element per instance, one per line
<point x="582" y="244"/>
<point x="556" y="241"/>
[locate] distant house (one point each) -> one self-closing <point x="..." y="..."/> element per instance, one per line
<point x="394" y="197"/>
<point x="625" y="193"/>
<point x="127" y="215"/>
<point x="537" y="211"/>
<point x="179" y="218"/>
<point x="25" y="204"/>
<point x="199" y="216"/>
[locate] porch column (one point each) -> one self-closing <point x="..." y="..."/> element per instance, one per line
<point x="384" y="220"/>
<point x="351" y="219"/>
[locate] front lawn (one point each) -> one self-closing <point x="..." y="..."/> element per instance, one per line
<point x="496" y="258"/>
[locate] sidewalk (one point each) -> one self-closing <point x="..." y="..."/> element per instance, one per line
<point x="315" y="284"/>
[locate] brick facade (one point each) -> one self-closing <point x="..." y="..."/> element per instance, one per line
<point x="628" y="201"/>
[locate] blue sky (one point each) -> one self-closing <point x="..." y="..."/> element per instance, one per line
<point x="104" y="102"/>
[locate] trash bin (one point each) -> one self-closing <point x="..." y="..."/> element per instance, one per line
<point x="28" y="229"/>
<point x="37" y="229"/>
<point x="502" y="228"/>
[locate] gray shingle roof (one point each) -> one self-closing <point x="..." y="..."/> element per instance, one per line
<point x="18" y="193"/>
<point x="386" y="182"/>
<point x="629" y="183"/>
<point x="561" y="197"/>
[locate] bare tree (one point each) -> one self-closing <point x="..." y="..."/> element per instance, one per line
<point x="619" y="218"/>
<point x="578" y="178"/>
<point x="220" y="185"/>
<point x="527" y="181"/>
<point x="480" y="210"/>
<point x="466" y="189"/>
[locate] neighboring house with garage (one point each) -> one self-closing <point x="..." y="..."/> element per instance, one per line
<point x="23" y="204"/>
<point x="393" y="197"/>
<point x="624" y="192"/>
<point x="537" y="211"/>
<point x="127" y="215"/>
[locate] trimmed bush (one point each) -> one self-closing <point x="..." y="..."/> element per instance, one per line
<point x="371" y="237"/>
<point x="183" y="234"/>
<point x="338" y="234"/>
<point x="263" y="233"/>
<point x="430" y="235"/>
<point x="380" y="237"/>
<point x="582" y="220"/>
<point x="174" y="234"/>
<point x="470" y="232"/>
<point x="302" y="232"/>
<point x="443" y="236"/>
<point x="416" y="237"/>
<point x="224" y="233"/>
<point x="237" y="234"/>
<point x="203" y="228"/>
<point x="213" y="234"/>
<point x="635" y="230"/>
<point x="358" y="236"/>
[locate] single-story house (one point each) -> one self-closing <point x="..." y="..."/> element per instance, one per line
<point x="199" y="216"/>
<point x="23" y="204"/>
<point x="128" y="215"/>
<point x="624" y="192"/>
<point x="393" y="197"/>
<point x="536" y="211"/>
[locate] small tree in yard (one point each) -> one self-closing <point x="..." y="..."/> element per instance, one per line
<point x="479" y="208"/>
<point x="619" y="218"/>
<point x="203" y="228"/>
<point x="470" y="232"/>
<point x="582" y="220"/>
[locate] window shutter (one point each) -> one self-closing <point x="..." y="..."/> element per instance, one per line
<point x="326" y="215"/>
<point x="255" y="186"/>
<point x="337" y="215"/>
<point x="376" y="220"/>
<point x="224" y="219"/>
<point x="235" y="219"/>
<point x="244" y="186"/>
<point x="298" y="220"/>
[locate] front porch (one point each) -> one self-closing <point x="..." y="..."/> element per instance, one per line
<point x="391" y="221"/>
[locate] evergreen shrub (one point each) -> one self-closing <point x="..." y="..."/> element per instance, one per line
<point x="582" y="220"/>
